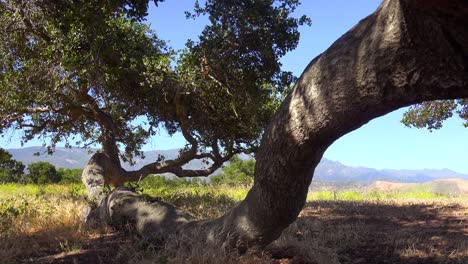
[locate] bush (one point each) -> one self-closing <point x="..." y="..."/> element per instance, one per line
<point x="7" y="176"/>
<point x="70" y="175"/>
<point x="42" y="173"/>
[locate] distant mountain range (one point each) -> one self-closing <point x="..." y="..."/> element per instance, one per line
<point x="77" y="158"/>
<point x="327" y="170"/>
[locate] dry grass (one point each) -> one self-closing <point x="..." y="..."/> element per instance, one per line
<point x="391" y="231"/>
<point x="32" y="226"/>
<point x="47" y="228"/>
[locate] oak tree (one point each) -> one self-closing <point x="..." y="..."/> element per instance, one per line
<point x="407" y="52"/>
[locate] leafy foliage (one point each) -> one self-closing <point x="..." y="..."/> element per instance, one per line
<point x="70" y="175"/>
<point x="42" y="173"/>
<point x="238" y="173"/>
<point x="431" y="115"/>
<point x="234" y="67"/>
<point x="77" y="68"/>
<point x="10" y="170"/>
<point x="87" y="73"/>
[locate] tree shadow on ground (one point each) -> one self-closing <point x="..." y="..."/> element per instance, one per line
<point x="377" y="232"/>
<point x="100" y="248"/>
<point x="354" y="232"/>
<point x="108" y="245"/>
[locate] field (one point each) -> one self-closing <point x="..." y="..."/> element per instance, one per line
<point x="41" y="224"/>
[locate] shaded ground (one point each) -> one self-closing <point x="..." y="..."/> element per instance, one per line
<point x="326" y="232"/>
<point x="382" y="232"/>
<point x="102" y="249"/>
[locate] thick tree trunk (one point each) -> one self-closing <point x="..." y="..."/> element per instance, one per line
<point x="407" y="52"/>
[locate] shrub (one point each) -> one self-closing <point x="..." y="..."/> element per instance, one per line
<point x="42" y="173"/>
<point x="70" y="175"/>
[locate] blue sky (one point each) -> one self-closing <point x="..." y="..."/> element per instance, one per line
<point x="382" y="143"/>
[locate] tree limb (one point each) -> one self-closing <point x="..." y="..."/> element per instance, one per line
<point x="29" y="25"/>
<point x="182" y="173"/>
<point x="183" y="124"/>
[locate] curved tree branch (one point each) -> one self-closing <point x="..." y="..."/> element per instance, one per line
<point x="109" y="131"/>
<point x="175" y="167"/>
<point x="398" y="56"/>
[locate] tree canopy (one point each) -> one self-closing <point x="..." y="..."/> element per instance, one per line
<point x="70" y="175"/>
<point x="78" y="68"/>
<point x="89" y="73"/>
<point x="432" y="114"/>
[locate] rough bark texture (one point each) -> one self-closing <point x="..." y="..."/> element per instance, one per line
<point x="407" y="52"/>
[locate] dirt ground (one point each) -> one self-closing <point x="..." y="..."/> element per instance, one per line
<point x="399" y="232"/>
<point x="326" y="232"/>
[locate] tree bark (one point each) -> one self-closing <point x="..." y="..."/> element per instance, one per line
<point x="407" y="52"/>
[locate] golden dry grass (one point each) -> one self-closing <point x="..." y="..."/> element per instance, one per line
<point x="40" y="225"/>
<point x="46" y="228"/>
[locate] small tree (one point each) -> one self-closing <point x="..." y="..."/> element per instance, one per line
<point x="43" y="172"/>
<point x="238" y="172"/>
<point x="10" y="169"/>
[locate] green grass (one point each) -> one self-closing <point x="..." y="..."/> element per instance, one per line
<point x="172" y="193"/>
<point x="13" y="189"/>
<point x="196" y="197"/>
<point x="199" y="199"/>
<point x="183" y="192"/>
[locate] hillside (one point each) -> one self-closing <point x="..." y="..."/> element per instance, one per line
<point x="335" y="171"/>
<point x="327" y="170"/>
<point x="441" y="186"/>
<point x="73" y="158"/>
